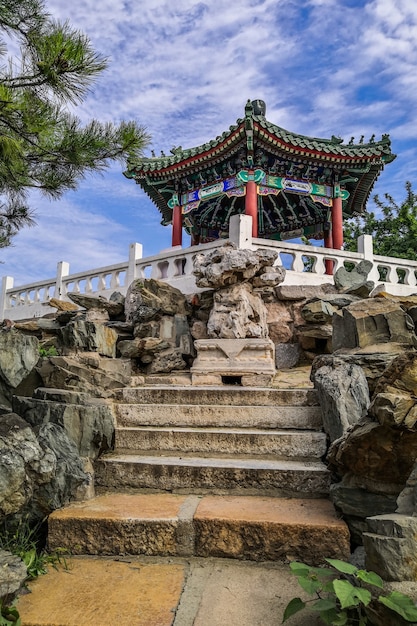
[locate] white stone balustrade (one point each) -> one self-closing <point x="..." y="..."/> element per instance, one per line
<point x="305" y="266"/>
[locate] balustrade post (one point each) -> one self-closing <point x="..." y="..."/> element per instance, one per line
<point x="6" y="283"/>
<point x="366" y="247"/>
<point x="135" y="254"/>
<point x="240" y="231"/>
<point x="62" y="270"/>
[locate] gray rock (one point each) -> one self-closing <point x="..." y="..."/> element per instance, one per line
<point x="13" y="574"/>
<point x="88" y="424"/>
<point x="361" y="502"/>
<point x="137" y="348"/>
<point x="87" y="335"/>
<point x="112" y="307"/>
<point x="370" y="322"/>
<point x="24" y="464"/>
<point x="344" y="396"/>
<point x="148" y="298"/>
<point x="287" y="355"/>
<point x="227" y="265"/>
<point x="407" y="500"/>
<point x="237" y="314"/>
<point x="318" y="312"/>
<point x="391" y="547"/>
<point x="166" y="361"/>
<point x="19" y="354"/>
<point x="303" y="292"/>
<point x="355" y="281"/>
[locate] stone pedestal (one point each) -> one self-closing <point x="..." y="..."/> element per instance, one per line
<point x="248" y="362"/>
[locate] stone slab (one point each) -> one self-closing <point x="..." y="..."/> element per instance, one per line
<point x="234" y="356"/>
<point x="280" y="443"/>
<point x="270" y="529"/>
<point x="149" y="591"/>
<point x="104" y="593"/>
<point x="220" y="395"/>
<point x="119" y="524"/>
<point x="302" y="417"/>
<point x="187" y="474"/>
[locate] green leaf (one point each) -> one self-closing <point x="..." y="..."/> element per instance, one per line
<point x="342" y="566"/>
<point x="401" y="604"/>
<point x="324" y="604"/>
<point x="346" y="593"/>
<point x="370" y="577"/>
<point x="300" y="569"/>
<point x="309" y="585"/>
<point x="331" y="616"/>
<point x="341" y="619"/>
<point x="295" y="605"/>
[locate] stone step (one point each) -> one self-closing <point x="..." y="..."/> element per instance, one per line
<point x="220" y="395"/>
<point x="281" y="443"/>
<point x="215" y="474"/>
<point x="253" y="528"/>
<point x="220" y="415"/>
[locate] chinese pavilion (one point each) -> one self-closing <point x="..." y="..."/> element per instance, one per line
<point x="291" y="185"/>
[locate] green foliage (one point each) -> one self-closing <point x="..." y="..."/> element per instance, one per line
<point x="342" y="601"/>
<point x="23" y="540"/>
<point x="9" y="615"/>
<point x="42" y="144"/>
<point x="394" y="233"/>
<point x="46" y="352"/>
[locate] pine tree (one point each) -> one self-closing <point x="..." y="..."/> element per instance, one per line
<point x="42" y="144"/>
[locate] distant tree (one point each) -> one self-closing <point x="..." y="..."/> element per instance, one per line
<point x="42" y="144"/>
<point x="394" y="232"/>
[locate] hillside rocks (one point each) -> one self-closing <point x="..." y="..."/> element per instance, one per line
<point x="18" y="356"/>
<point x="344" y="396"/>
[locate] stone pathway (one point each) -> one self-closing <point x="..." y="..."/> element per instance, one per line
<point x="133" y="591"/>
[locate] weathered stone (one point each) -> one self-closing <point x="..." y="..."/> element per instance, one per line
<point x="373" y="360"/>
<point x="19" y="354"/>
<point x="338" y="300"/>
<point x="13" y="574"/>
<point x="149" y="298"/>
<point x="369" y="322"/>
<point x="113" y="308"/>
<point x="234" y="357"/>
<point x="401" y="374"/>
<point x="377" y="452"/>
<point x="391" y="546"/>
<point x="237" y="314"/>
<point x="62" y="305"/>
<point x="302" y="292"/>
<point x="199" y="330"/>
<point x="318" y="331"/>
<point x="270" y="278"/>
<point x="344" y="396"/>
<point x="392" y="407"/>
<point x="318" y="312"/>
<point x="361" y="503"/>
<point x="98" y="316"/>
<point x="89" y="423"/>
<point x="136" y="348"/>
<point x="407" y="499"/>
<point x="227" y="265"/>
<point x="84" y="335"/>
<point x="71" y="374"/>
<point x="167" y="361"/>
<point x="24" y="464"/>
<point x="355" y="281"/>
<point x="287" y="355"/>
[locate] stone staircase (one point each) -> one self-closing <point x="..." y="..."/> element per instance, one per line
<point x="222" y="471"/>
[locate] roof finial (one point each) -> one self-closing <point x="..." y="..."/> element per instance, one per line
<point x="259" y="107"/>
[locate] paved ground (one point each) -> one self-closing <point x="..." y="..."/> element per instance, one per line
<point x="140" y="591"/>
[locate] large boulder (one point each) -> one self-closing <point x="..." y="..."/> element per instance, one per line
<point x="343" y="394"/>
<point x="148" y="299"/>
<point x="81" y="334"/>
<point x="19" y="354"/>
<point x="237" y="314"/>
<point x="228" y="265"/>
<point x="355" y="281"/>
<point x="372" y="321"/>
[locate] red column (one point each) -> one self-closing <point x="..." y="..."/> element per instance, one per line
<point x="177" y="226"/>
<point x="328" y="243"/>
<point x="251" y="203"/>
<point x="337" y="223"/>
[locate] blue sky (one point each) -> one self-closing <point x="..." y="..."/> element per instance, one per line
<point x="185" y="69"/>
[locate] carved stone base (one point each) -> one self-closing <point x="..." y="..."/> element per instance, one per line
<point x="220" y="360"/>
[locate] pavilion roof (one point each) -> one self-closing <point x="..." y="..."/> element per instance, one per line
<point x="365" y="160"/>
